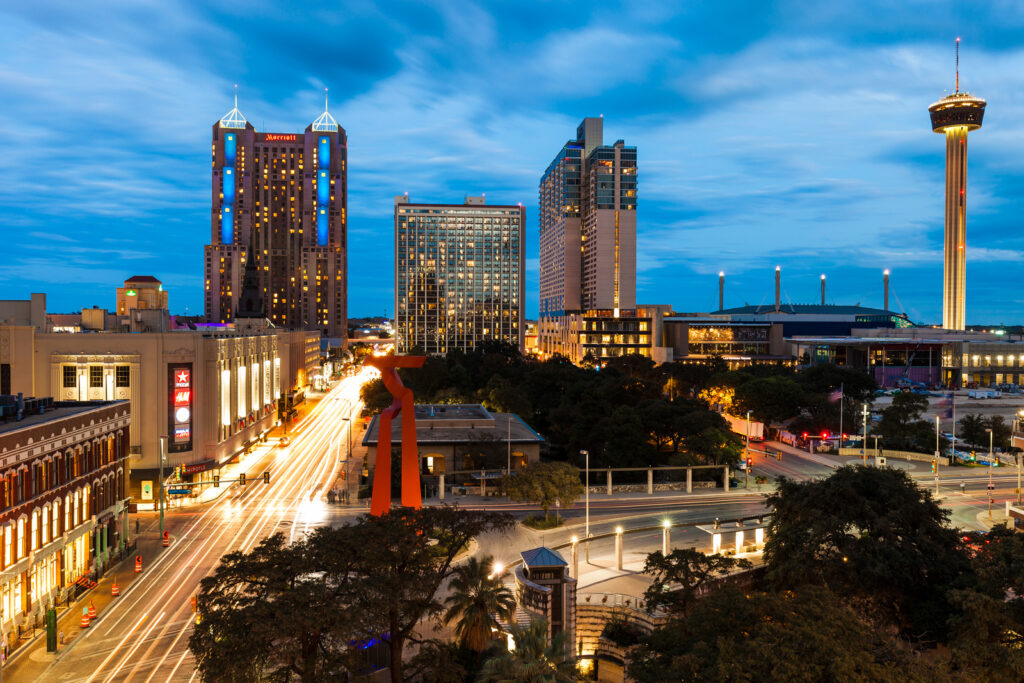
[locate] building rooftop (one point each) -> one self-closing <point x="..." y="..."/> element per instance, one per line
<point x="461" y="423"/>
<point x="807" y="309"/>
<point x="59" y="411"/>
<point x="542" y="557"/>
<point x="143" y="278"/>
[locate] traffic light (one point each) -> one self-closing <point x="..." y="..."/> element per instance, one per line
<point x="805" y="436"/>
<point x="216" y="481"/>
<point x="750" y="462"/>
<point x="241" y="479"/>
<point x="972" y="456"/>
<point x="194" y="604"/>
<point x="933" y="465"/>
<point x="266" y="476"/>
<point x="824" y="435"/>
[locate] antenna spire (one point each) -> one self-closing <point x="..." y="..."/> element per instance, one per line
<point x="958" y="65"/>
<point x="325" y="99"/>
<point x="236" y="96"/>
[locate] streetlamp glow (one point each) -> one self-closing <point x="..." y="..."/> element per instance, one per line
<point x="667" y="524"/>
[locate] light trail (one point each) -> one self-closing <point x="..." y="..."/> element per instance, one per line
<point x="301" y="473"/>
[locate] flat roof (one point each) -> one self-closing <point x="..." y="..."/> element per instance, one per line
<point x="874" y="341"/>
<point x="63" y="410"/>
<point x="443" y="428"/>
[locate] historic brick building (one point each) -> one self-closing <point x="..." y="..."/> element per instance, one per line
<point x="63" y="499"/>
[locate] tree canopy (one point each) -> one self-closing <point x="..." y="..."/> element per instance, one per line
<point x="545" y="484"/>
<point x="678" y="578"/>
<point x="869" y="534"/>
<point x="301" y="611"/>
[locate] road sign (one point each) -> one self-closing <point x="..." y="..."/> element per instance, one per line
<point x="178" y="491"/>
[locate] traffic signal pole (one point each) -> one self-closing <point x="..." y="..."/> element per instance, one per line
<point x="163" y="448"/>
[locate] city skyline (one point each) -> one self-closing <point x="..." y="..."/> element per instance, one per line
<point x="756" y="134"/>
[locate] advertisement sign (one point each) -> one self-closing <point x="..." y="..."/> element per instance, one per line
<point x="179" y="408"/>
<point x="147" y="490"/>
<point x="277" y="137"/>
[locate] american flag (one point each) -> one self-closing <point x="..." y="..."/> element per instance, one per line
<point x="835" y="395"/>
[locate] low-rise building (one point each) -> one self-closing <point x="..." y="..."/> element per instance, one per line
<point x="63" y="500"/>
<point x="453" y="438"/>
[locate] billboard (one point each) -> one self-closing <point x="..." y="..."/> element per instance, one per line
<point x="179" y="407"/>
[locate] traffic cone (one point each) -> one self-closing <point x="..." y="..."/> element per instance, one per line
<point x="138" y="564"/>
<point x="92" y="610"/>
<point x="114" y="590"/>
<point x="85" y="618"/>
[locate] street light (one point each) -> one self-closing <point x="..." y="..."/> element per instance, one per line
<point x="746" y="470"/>
<point x="348" y="460"/>
<point x="990" y="460"/>
<point x="586" y="495"/>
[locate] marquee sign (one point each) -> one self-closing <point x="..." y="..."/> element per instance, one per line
<point x="179" y="408"/>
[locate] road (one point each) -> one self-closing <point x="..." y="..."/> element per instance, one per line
<point x="143" y="636"/>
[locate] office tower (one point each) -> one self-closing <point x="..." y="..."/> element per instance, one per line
<point x="588" y="249"/>
<point x="458" y="275"/>
<point x="280" y="199"/>
<point x="955" y="115"/>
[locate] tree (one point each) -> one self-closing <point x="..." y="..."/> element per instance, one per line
<point x="545" y="483"/>
<point x="625" y="441"/>
<point x="535" y="659"/>
<point x="291" y="611"/>
<point x="280" y="612"/>
<point x="475" y="598"/>
<point x="681" y="576"/>
<point x="901" y="425"/>
<point x="972" y="430"/>
<point x="771" y="399"/>
<point x="807" y="635"/>
<point x="375" y="396"/>
<point x="871" y="535"/>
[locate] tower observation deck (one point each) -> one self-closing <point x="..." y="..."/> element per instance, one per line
<point x="955" y="115"/>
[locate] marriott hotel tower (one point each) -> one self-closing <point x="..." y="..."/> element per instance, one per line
<point x="280" y="199"/>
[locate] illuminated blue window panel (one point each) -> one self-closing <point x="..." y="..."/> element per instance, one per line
<point x="229" y="149"/>
<point x="228" y="186"/>
<point x="324" y="154"/>
<point x="321" y="226"/>
<point x="227" y="226"/>
<point x="323" y="188"/>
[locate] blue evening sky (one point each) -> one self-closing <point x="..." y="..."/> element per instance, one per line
<point x="768" y="133"/>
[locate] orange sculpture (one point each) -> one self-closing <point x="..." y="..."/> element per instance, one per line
<point x="380" y="502"/>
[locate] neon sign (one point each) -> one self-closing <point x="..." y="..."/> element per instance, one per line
<point x="272" y="137"/>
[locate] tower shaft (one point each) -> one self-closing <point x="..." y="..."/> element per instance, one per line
<point x="954" y="280"/>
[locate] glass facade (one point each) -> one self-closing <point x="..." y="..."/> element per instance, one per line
<point x="458" y="276"/>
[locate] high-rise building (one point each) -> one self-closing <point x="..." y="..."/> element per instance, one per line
<point x="954" y="116"/>
<point x="458" y="275"/>
<point x="588" y="202"/>
<point x="281" y="199"/>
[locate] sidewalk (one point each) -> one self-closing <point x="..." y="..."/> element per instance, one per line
<point x="30" y="660"/>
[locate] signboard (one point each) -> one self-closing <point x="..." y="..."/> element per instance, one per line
<point x="178" y="492"/>
<point x="198" y="467"/>
<point x="276" y="137"/>
<point x="179" y="408"/>
<point x="147" y="490"/>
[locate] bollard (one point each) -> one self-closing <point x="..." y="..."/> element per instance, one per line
<point x="665" y="540"/>
<point x="138" y="563"/>
<point x="650" y="481"/>
<point x="689" y="480"/>
<point x="618" y="548"/>
<point x="609" y="481"/>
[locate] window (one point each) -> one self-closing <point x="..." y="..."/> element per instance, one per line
<point x="122" y="376"/>
<point x="69" y="376"/>
<point x="96" y="376"/>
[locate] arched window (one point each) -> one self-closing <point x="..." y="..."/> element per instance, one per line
<point x="34" y="531"/>
<point x="8" y="545"/>
<point x="56" y="519"/>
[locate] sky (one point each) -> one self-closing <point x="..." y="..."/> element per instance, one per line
<point x="791" y="134"/>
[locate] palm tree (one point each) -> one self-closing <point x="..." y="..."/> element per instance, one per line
<point x="534" y="659"/>
<point x="476" y="597"/>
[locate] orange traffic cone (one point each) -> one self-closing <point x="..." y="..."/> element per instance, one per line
<point x="92" y="610"/>
<point x="85" y="618"/>
<point x="114" y="590"/>
<point x="138" y="563"/>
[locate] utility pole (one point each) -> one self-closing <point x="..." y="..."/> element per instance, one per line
<point x="508" y="469"/>
<point x="1018" y="477"/>
<point x="936" y="435"/>
<point x="991" y="490"/>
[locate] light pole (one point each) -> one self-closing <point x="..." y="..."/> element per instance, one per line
<point x="586" y="497"/>
<point x="348" y="459"/>
<point x="746" y="469"/>
<point x="163" y="448"/>
<point x="508" y="468"/>
<point x="864" y="444"/>
<point x="936" y="435"/>
<point x="990" y="460"/>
